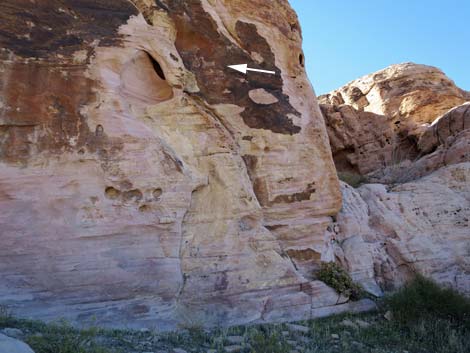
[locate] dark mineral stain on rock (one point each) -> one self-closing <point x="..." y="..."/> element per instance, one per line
<point x="43" y="98"/>
<point x="205" y="53"/>
<point x="44" y="28"/>
<point x="297" y="197"/>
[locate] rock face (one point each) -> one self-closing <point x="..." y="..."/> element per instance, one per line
<point x="395" y="128"/>
<point x="409" y="93"/>
<point x="143" y="182"/>
<point x="445" y="142"/>
<point x="445" y="129"/>
<point x="361" y="142"/>
<point x="386" y="234"/>
<point x="384" y="119"/>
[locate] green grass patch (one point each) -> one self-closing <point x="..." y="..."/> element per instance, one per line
<point x="268" y="340"/>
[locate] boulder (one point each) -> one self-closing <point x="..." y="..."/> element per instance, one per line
<point x="13" y="332"/>
<point x="12" y="345"/>
<point x="445" y="127"/>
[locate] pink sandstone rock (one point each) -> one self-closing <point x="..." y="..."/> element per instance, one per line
<point x="141" y="184"/>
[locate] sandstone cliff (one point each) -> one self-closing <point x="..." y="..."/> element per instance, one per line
<point x="142" y="181"/>
<point x="145" y="184"/>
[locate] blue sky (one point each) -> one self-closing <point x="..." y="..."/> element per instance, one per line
<point x="344" y="39"/>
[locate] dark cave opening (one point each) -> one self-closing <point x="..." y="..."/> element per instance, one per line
<point x="156" y="66"/>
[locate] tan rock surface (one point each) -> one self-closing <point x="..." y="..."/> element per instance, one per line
<point x="141" y="184"/>
<point x="384" y="122"/>
<point x="445" y="142"/>
<point x="361" y="142"/>
<point x="144" y="183"/>
<point x="445" y="127"/>
<point x="409" y="93"/>
<point x="395" y="127"/>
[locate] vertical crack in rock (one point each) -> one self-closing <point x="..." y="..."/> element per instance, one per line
<point x="158" y="69"/>
<point x="206" y="109"/>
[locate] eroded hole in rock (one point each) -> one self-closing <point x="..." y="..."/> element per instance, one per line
<point x="156" y="66"/>
<point x="140" y="309"/>
<point x="247" y="223"/>
<point x="145" y="208"/>
<point x="132" y="195"/>
<point x="111" y="193"/>
<point x="99" y="130"/>
<point x="305" y="260"/>
<point x="301" y="60"/>
<point x="143" y="80"/>
<point x="157" y="193"/>
<point x="125" y="184"/>
<point x="304" y="255"/>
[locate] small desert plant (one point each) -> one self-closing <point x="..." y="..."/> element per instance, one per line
<point x="353" y="179"/>
<point x="422" y="299"/>
<point x="337" y="278"/>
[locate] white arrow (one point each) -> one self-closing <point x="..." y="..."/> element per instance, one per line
<point x="244" y="68"/>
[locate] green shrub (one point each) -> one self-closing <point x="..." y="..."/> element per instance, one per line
<point x="353" y="179"/>
<point x="422" y="299"/>
<point x="337" y="278"/>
